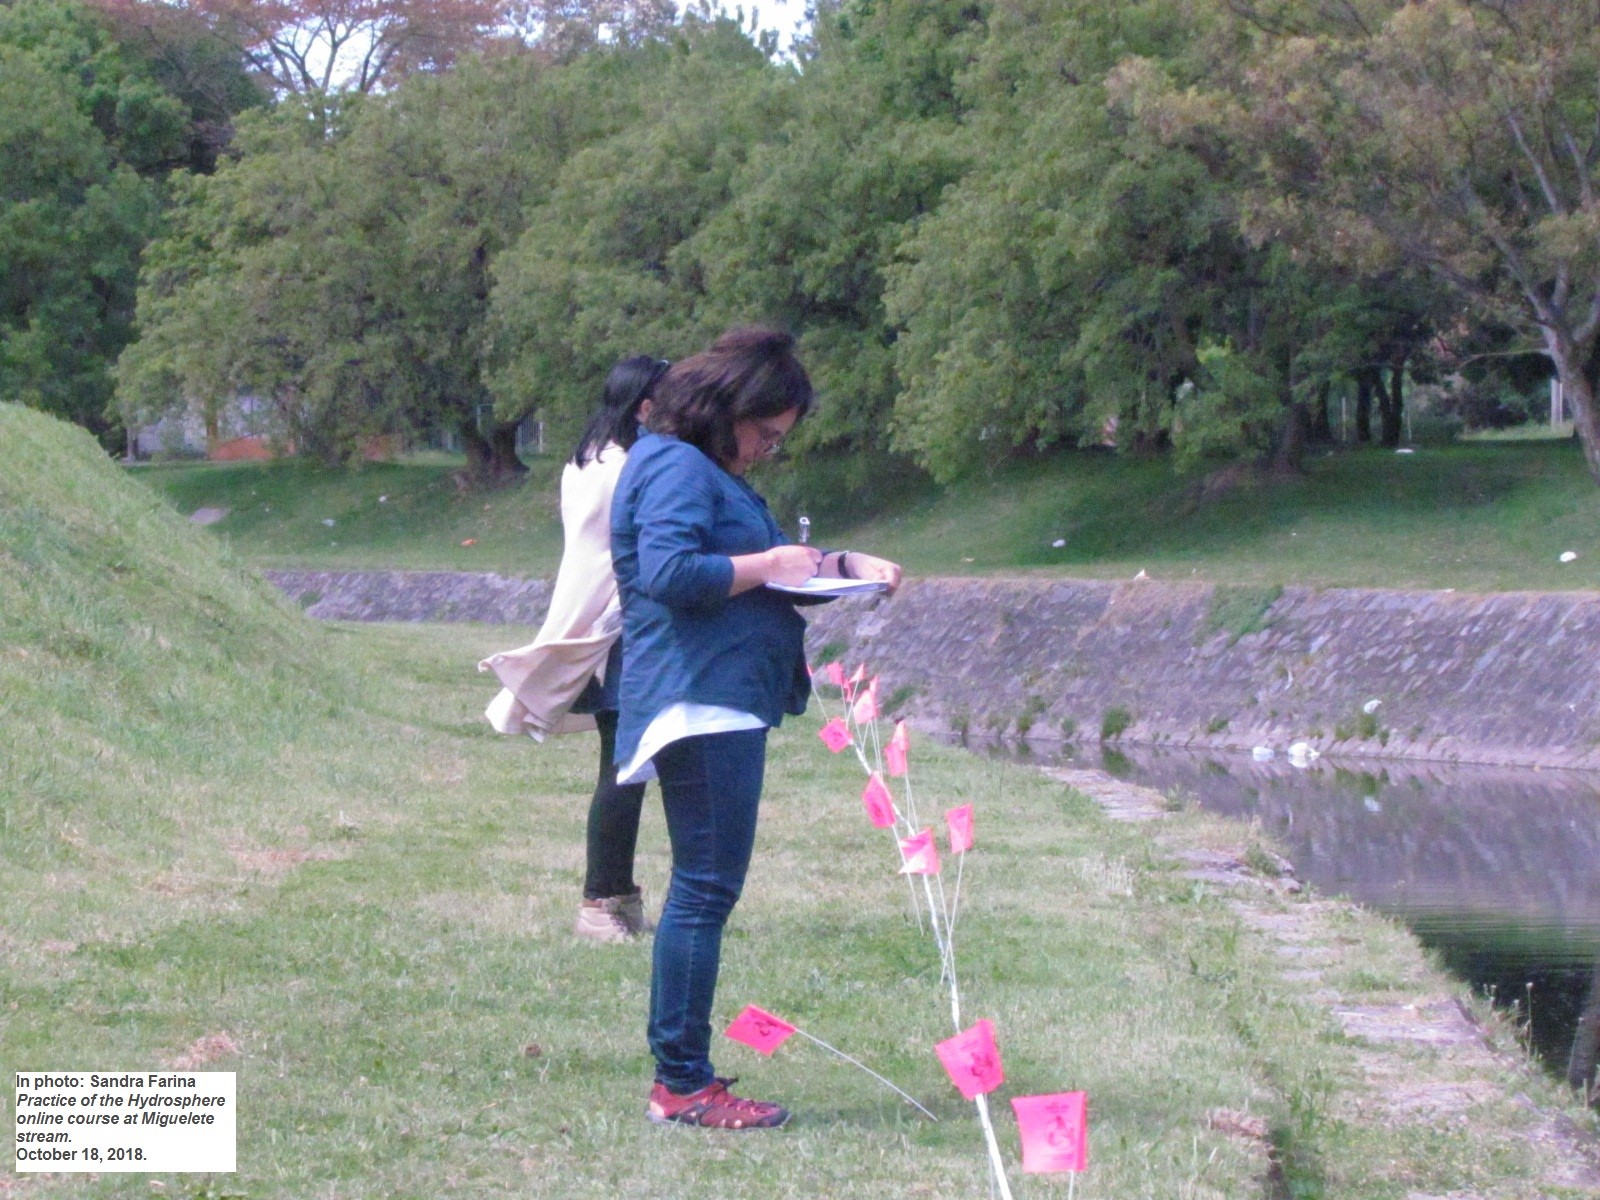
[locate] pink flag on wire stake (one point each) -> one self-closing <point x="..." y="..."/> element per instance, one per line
<point x="760" y="1030"/>
<point x="894" y="750"/>
<point x="1055" y="1131"/>
<point x="959" y="822"/>
<point x="856" y="678"/>
<point x="879" y="803"/>
<point x="972" y="1060"/>
<point x="866" y="705"/>
<point x="835" y="673"/>
<point x="835" y="736"/>
<point x="920" y="853"/>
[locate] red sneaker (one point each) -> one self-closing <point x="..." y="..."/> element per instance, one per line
<point x="714" y="1107"/>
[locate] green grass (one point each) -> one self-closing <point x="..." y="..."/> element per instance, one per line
<point x="217" y="819"/>
<point x="1474" y="516"/>
<point x="394" y="515"/>
<point x="1470" y="516"/>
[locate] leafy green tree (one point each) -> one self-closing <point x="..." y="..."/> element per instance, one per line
<point x="1459" y="138"/>
<point x="1062" y="288"/>
<point x="818" y="213"/>
<point x="755" y="193"/>
<point x="88" y="135"/>
<point x="345" y="275"/>
<point x="605" y="266"/>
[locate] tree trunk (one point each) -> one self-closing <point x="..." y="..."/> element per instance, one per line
<point x="1288" y="457"/>
<point x="1321" y="431"/>
<point x="1366" y="380"/>
<point x="1578" y="368"/>
<point x="1391" y="404"/>
<point x="492" y="461"/>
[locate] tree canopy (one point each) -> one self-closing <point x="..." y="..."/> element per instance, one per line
<point x="93" y="126"/>
<point x="1169" y="226"/>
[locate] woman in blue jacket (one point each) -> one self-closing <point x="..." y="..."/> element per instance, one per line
<point x="712" y="659"/>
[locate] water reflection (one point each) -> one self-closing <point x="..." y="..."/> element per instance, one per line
<point x="1496" y="869"/>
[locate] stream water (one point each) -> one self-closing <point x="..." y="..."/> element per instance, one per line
<point x="1495" y="869"/>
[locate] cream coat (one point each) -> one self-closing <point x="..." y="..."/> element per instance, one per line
<point x="542" y="679"/>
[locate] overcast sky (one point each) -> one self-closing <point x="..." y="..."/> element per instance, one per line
<point x="782" y="15"/>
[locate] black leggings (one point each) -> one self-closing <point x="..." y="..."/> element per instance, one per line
<point x="613" y="822"/>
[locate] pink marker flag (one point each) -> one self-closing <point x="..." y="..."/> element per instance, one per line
<point x="920" y="853"/>
<point x="959" y="822"/>
<point x="866" y="706"/>
<point x="834" y="735"/>
<point x="894" y="750"/>
<point x="760" y="1030"/>
<point x="835" y="673"/>
<point x="972" y="1060"/>
<point x="1055" y="1131"/>
<point x="880" y="804"/>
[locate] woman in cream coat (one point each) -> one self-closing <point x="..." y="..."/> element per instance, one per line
<point x="566" y="679"/>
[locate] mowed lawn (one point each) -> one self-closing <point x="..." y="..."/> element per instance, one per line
<point x="1483" y="516"/>
<point x="374" y="909"/>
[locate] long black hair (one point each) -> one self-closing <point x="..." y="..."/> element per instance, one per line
<point x="617" y="419"/>
<point x="749" y="372"/>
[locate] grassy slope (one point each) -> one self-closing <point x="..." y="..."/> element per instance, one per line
<point x="277" y="510"/>
<point x="221" y="820"/>
<point x="1474" y="516"/>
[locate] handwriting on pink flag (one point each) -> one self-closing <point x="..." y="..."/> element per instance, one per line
<point x="920" y="853"/>
<point x="866" y="705"/>
<point x="760" y="1030"/>
<point x="972" y="1060"/>
<point x="894" y="750"/>
<point x="959" y="822"/>
<point x="834" y="735"/>
<point x="835" y="673"/>
<point x="1055" y="1131"/>
<point x="880" y="804"/>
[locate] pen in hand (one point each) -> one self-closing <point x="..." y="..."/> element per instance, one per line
<point x="805" y="530"/>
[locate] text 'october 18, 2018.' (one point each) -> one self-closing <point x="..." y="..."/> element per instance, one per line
<point x="106" y="1121"/>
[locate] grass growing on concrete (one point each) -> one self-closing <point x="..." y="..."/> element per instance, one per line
<point x="1473" y="516"/>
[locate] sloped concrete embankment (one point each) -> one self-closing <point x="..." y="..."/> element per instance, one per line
<point x="1506" y="678"/>
<point x="415" y="596"/>
<point x="1509" y="678"/>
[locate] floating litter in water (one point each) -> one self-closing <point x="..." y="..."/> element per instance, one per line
<point x="1262" y="753"/>
<point x="1301" y="754"/>
<point x="1372" y="805"/>
<point x="1371" y="706"/>
<point x="1059" y="542"/>
<point x="328" y="521"/>
<point x="1568" y="555"/>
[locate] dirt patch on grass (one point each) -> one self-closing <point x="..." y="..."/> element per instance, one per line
<point x="202" y="1051"/>
<point x="274" y="863"/>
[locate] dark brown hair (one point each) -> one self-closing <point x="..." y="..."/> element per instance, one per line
<point x="746" y="373"/>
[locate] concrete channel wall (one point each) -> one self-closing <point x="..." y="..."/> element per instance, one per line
<point x="1507" y="678"/>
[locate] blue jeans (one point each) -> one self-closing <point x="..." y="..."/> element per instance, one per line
<point x="710" y="789"/>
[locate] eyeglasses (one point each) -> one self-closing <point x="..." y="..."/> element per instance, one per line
<point x="769" y="439"/>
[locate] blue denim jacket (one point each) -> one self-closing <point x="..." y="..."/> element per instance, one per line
<point x="676" y="520"/>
